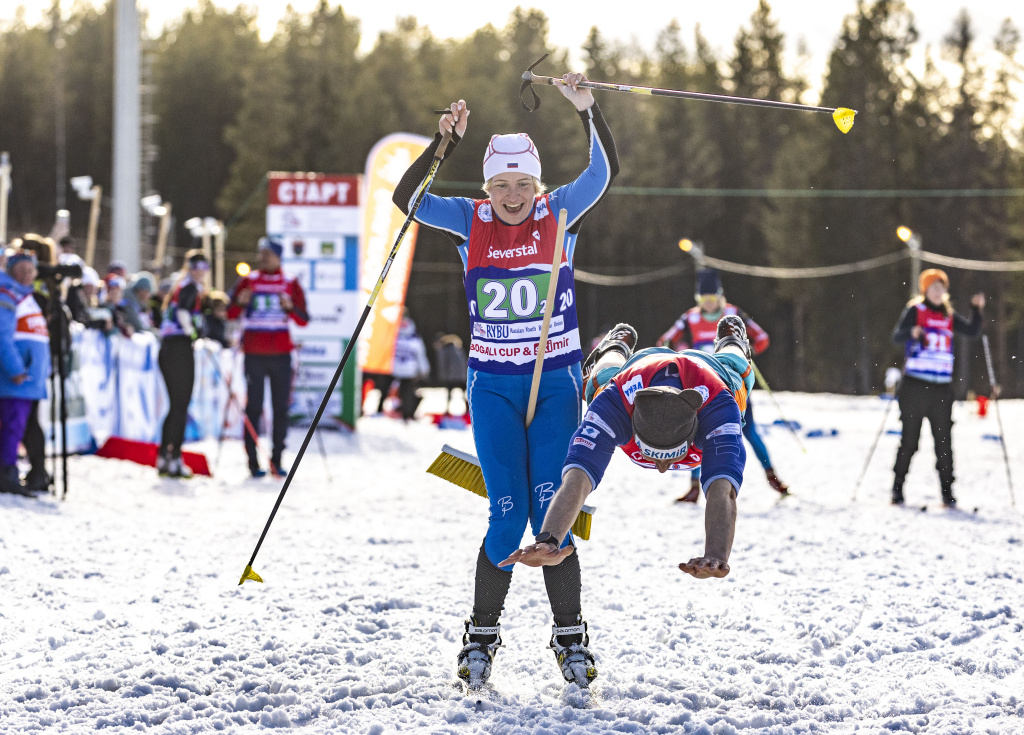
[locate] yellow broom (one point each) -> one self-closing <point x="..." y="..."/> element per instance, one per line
<point x="462" y="469"/>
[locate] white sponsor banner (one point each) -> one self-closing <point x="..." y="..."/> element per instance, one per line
<point x="319" y="350"/>
<point x="517" y="330"/>
<point x="332" y="314"/>
<point x="520" y="354"/>
<point x="329" y="275"/>
<point x="313" y="219"/>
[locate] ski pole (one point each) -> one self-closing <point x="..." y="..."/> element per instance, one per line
<point x="841" y="116"/>
<point x="999" y="418"/>
<point x="764" y="384"/>
<point x="248" y="573"/>
<point x="249" y="428"/>
<point x="871" y="452"/>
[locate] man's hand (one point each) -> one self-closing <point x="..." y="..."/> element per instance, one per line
<point x="704" y="567"/>
<point x="538" y="555"/>
<point x="568" y="85"/>
<point x="916" y="332"/>
<point x="286" y="301"/>
<point x="978" y="300"/>
<point x="243" y="297"/>
<point x="458" y="120"/>
<point x="19" y="379"/>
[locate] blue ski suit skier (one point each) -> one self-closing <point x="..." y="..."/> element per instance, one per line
<point x="507" y="243"/>
<point x="696" y="329"/>
<point x="666" y="411"/>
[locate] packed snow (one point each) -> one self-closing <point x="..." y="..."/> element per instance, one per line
<point x="120" y="608"/>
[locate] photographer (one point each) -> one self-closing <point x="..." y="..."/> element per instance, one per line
<point x="24" y="362"/>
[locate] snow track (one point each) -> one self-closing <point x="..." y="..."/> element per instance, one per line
<point x="120" y="609"/>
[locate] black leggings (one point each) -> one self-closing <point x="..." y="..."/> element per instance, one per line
<point x="920" y="400"/>
<point x="178" y="365"/>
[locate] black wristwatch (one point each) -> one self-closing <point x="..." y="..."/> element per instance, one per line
<point x="546" y="537"/>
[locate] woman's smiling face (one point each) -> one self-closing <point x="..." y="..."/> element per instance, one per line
<point x="512" y="197"/>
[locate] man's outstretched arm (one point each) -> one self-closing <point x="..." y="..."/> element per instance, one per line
<point x="719" y="529"/>
<point x="562" y="512"/>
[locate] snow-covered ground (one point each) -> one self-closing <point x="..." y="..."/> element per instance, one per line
<point x="120" y="608"/>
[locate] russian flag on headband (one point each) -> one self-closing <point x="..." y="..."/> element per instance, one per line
<point x="513" y="165"/>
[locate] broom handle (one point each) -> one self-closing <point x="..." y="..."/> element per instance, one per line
<point x="549" y="309"/>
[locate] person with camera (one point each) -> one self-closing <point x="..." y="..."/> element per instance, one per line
<point x="179" y="329"/>
<point x="24" y="362"/>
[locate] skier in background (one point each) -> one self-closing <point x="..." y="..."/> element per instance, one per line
<point x="926" y="328"/>
<point x="507" y="243"/>
<point x="695" y="329"/>
<point x="266" y="301"/>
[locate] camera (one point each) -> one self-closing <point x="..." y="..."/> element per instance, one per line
<point x="59" y="272"/>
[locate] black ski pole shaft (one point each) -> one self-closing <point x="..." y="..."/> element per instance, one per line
<point x="999" y="418"/>
<point x="248" y="573"/>
<point x="789" y="425"/>
<point x="871" y="452"/>
<point x="842" y="116"/>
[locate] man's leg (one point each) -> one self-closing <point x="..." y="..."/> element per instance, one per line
<point x="279" y="369"/>
<point x="255" y="376"/>
<point x="912" y="400"/>
<point x="35" y="446"/>
<point x="752" y="435"/>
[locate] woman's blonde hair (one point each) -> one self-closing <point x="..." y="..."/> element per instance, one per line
<point x="539" y="187"/>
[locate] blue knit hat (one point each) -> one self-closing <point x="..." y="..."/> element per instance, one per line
<point x="18" y="256"/>
<point x="708" y="282"/>
<point x="273" y="244"/>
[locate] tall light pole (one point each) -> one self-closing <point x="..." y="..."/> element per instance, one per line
<point x="913" y="241"/>
<point x="83" y="186"/>
<point x="156" y="207"/>
<point x="125" y="232"/>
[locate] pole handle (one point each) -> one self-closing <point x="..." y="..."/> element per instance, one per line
<point x="549" y="309"/>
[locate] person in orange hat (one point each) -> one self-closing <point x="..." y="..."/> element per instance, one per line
<point x="926" y="328"/>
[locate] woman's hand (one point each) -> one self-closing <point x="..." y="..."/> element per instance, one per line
<point x="456" y="121"/>
<point x="581" y="97"/>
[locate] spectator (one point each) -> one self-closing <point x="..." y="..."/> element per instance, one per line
<point x="215" y="317"/>
<point x="451" y="365"/>
<point x="266" y="300"/>
<point x="135" y="306"/>
<point x="410" y="365"/>
<point x="24" y="362"/>
<point x="156" y="302"/>
<point x="113" y="302"/>
<point x="118" y="268"/>
<point x="179" y="330"/>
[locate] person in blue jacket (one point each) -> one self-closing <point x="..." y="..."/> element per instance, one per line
<point x="24" y="361"/>
<point x="507" y="244"/>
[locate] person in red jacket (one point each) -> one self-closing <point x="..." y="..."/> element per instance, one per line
<point x="266" y="300"/>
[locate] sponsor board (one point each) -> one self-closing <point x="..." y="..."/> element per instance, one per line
<point x="517" y="331"/>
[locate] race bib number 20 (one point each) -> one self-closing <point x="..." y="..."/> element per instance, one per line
<point x="512" y="299"/>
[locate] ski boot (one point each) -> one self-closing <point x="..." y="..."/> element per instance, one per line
<point x="176" y="466"/>
<point x="693" y="495"/>
<point x="476" y="656"/>
<point x="38" y="481"/>
<point x="732" y="331"/>
<point x="622" y="339"/>
<point x="777" y="485"/>
<point x="948" y="501"/>
<point x="163" y="461"/>
<point x="570" y="647"/>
